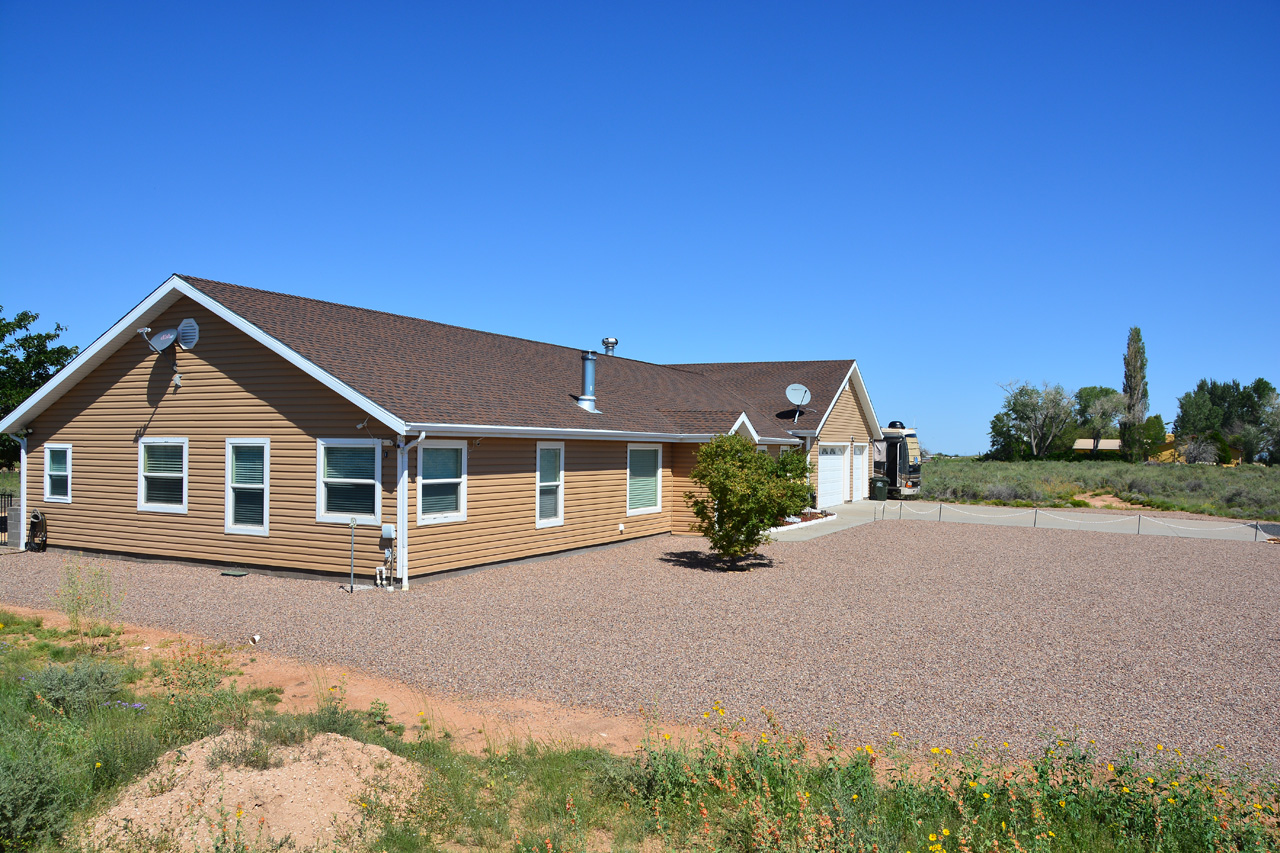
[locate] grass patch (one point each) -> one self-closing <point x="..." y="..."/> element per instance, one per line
<point x="73" y="733"/>
<point x="1249" y="491"/>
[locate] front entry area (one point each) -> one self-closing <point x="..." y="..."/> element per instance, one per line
<point x="833" y="474"/>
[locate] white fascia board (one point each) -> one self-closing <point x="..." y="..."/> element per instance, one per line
<point x="499" y="431"/>
<point x="854" y="376"/>
<point x="551" y="433"/>
<point x="161" y="299"/>
<point x="742" y="421"/>
<point x="92" y="356"/>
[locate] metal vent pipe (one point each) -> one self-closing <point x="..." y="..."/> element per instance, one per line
<point x="609" y="344"/>
<point x="588" y="398"/>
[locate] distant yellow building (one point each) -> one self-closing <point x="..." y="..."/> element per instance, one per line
<point x="1168" y="452"/>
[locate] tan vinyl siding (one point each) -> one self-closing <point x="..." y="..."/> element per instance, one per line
<point x="683" y="459"/>
<point x="847" y="420"/>
<point x="231" y="387"/>
<point x="502" y="503"/>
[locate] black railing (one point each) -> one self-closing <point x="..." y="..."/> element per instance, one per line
<point x="6" y="500"/>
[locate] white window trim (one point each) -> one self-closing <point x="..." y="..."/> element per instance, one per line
<point x="48" y="495"/>
<point x="444" y="517"/>
<point x="647" y="510"/>
<point x="558" y="521"/>
<point x="229" y="526"/>
<point x="143" y="506"/>
<point x="336" y="518"/>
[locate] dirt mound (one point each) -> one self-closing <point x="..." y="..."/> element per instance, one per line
<point x="309" y="795"/>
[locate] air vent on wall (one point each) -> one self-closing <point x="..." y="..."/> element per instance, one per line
<point x="188" y="333"/>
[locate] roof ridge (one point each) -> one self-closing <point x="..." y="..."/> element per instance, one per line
<point x="468" y="329"/>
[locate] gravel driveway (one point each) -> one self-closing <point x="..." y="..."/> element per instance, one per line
<point x="945" y="633"/>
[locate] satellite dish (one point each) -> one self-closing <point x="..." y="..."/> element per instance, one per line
<point x="160" y="340"/>
<point x="798" y="394"/>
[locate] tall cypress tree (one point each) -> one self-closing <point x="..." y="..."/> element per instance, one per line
<point x="1135" y="395"/>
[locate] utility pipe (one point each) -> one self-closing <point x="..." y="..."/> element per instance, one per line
<point x="22" y="490"/>
<point x="402" y="507"/>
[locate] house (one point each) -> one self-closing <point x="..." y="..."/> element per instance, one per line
<point x="1169" y="451"/>
<point x="281" y="432"/>
<point x="1085" y="445"/>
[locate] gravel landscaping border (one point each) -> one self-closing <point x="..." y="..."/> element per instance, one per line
<point x="946" y="633"/>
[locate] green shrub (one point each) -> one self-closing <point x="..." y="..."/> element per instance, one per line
<point x="76" y="689"/>
<point x="36" y="797"/>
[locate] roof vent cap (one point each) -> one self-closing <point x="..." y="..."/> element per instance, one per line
<point x="609" y="345"/>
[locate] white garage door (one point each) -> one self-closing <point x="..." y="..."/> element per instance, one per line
<point x="833" y="475"/>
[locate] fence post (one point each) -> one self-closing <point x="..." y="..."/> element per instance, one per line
<point x="1256" y="526"/>
<point x="1139" y="524"/>
<point x="939" y="510"/>
<point x="899" y="510"/>
<point x="1035" y="519"/>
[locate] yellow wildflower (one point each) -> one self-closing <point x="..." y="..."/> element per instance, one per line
<point x="935" y="750"/>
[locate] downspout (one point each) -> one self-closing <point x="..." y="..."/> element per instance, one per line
<point x="22" y="491"/>
<point x="402" y="507"/>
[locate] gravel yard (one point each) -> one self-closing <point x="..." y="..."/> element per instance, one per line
<point x="945" y="633"/>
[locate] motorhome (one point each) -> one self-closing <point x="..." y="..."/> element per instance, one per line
<point x="897" y="459"/>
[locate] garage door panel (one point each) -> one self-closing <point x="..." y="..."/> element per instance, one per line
<point x="833" y="475"/>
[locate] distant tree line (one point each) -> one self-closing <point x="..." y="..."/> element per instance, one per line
<point x="1046" y="421"/>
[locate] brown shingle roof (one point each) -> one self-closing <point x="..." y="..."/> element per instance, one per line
<point x="763" y="385"/>
<point x="428" y="372"/>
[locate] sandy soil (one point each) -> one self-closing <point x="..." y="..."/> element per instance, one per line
<point x="313" y="795"/>
<point x="474" y="725"/>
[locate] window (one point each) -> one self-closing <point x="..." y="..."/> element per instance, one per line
<point x="162" y="475"/>
<point x="349" y="480"/>
<point x="442" y="481"/>
<point x="644" y="478"/>
<point x="248" y="503"/>
<point x="550" y="483"/>
<point x="57" y="473"/>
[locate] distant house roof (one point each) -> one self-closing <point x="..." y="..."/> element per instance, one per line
<point x="416" y="374"/>
<point x="1086" y="444"/>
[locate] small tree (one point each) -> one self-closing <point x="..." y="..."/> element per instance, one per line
<point x="1135" y="395"/>
<point x="744" y="493"/>
<point x="1196" y="449"/>
<point x="1153" y="434"/>
<point x="1102" y="415"/>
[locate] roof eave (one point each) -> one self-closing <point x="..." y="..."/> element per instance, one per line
<point x="161" y="299"/>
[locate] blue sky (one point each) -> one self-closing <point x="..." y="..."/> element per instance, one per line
<point x="956" y="195"/>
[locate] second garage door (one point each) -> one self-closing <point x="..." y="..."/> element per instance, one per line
<point x="833" y="475"/>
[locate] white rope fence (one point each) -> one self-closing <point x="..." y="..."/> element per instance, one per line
<point x="1256" y="527"/>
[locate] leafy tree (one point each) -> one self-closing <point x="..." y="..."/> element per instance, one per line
<point x="1153" y="435"/>
<point x="1097" y="410"/>
<point x="1085" y="398"/>
<point x="1135" y="395"/>
<point x="1270" y="428"/>
<point x="1033" y="417"/>
<point x="1239" y="412"/>
<point x="1007" y="444"/>
<point x="27" y="360"/>
<point x="744" y="493"/>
